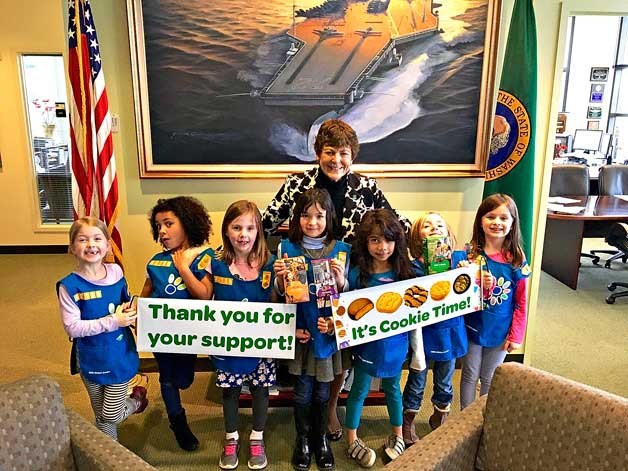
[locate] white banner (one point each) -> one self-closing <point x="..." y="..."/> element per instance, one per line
<point x="369" y="314"/>
<point x="216" y="327"/>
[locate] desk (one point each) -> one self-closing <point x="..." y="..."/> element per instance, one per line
<point x="564" y="234"/>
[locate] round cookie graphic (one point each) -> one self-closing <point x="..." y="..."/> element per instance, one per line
<point x="462" y="283"/>
<point x="440" y="290"/>
<point x="388" y="302"/>
<point x="359" y="308"/>
<point x="415" y="296"/>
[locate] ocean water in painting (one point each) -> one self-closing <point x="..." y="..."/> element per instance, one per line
<point x="208" y="64"/>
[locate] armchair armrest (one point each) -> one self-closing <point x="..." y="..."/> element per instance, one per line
<point x="451" y="447"/>
<point x="93" y="450"/>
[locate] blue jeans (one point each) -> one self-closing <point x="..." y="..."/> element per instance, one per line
<point x="309" y="391"/>
<point x="443" y="388"/>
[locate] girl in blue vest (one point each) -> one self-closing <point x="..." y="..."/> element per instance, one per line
<point x="183" y="227"/>
<point x="382" y="257"/>
<point x="499" y="328"/>
<point x="96" y="314"/>
<point x="243" y="272"/>
<point x="317" y="360"/>
<point x="442" y="342"/>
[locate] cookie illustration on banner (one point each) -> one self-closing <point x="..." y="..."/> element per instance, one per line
<point x="388" y="302"/>
<point x="359" y="307"/>
<point x="462" y="283"/>
<point x="440" y="290"/>
<point x="415" y="296"/>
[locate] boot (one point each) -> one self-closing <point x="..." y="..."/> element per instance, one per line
<point x="409" y="434"/>
<point x="324" y="456"/>
<point x="301" y="456"/>
<point x="439" y="416"/>
<point x="183" y="434"/>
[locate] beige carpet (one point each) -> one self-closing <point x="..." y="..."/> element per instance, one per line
<point x="577" y="335"/>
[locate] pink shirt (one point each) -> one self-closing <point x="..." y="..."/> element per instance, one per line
<point x="520" y="314"/>
<point x="71" y="315"/>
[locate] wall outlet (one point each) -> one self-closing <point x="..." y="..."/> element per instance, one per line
<point x="115" y="123"/>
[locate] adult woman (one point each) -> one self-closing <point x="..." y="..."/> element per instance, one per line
<point x="352" y="194"/>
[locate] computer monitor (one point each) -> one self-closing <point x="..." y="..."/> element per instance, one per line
<point x="587" y="140"/>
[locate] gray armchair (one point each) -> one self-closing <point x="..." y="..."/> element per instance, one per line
<point x="532" y="420"/>
<point x="38" y="432"/>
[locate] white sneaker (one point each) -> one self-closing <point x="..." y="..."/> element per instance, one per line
<point x="394" y="447"/>
<point x="361" y="453"/>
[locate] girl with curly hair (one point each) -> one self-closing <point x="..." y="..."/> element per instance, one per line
<point x="183" y="227"/>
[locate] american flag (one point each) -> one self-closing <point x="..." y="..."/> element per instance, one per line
<point x="94" y="179"/>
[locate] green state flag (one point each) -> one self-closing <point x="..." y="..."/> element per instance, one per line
<point x="510" y="167"/>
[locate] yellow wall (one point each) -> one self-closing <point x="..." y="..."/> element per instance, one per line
<point x="20" y="32"/>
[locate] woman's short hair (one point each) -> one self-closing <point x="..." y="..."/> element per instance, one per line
<point x="336" y="133"/>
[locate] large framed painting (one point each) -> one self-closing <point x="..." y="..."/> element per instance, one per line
<point x="234" y="88"/>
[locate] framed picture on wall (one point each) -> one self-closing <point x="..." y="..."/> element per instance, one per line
<point x="593" y="125"/>
<point x="594" y="112"/>
<point x="597" y="93"/>
<point x="233" y="88"/>
<point x="599" y="74"/>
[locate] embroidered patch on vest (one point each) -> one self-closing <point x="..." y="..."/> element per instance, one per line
<point x="223" y="280"/>
<point x="160" y="263"/>
<point x="342" y="258"/>
<point x="265" y="279"/>
<point x="87" y="295"/>
<point x="204" y="262"/>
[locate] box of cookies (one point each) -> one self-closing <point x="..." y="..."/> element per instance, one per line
<point x="295" y="280"/>
<point x="324" y="282"/>
<point x="437" y="254"/>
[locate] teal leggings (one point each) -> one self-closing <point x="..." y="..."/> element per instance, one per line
<point x="359" y="391"/>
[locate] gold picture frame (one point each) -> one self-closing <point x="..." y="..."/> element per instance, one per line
<point x="403" y="156"/>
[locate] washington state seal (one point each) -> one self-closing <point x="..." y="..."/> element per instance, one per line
<point x="510" y="138"/>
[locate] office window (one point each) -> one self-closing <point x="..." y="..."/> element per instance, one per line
<point x="44" y="92"/>
<point x="618" y="116"/>
<point x="564" y="82"/>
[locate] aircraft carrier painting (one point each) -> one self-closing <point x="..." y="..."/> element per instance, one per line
<point x="248" y="83"/>
<point x="340" y="46"/>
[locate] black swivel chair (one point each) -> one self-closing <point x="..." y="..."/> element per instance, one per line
<point x="571" y="180"/>
<point x="613" y="180"/>
<point x="618" y="237"/>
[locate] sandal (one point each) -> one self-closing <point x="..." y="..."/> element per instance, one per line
<point x="335" y="436"/>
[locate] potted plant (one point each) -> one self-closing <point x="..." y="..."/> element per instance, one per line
<point x="47" y="111"/>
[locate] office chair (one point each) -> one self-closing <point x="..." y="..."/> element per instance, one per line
<point x="571" y="180"/>
<point x="612" y="180"/>
<point x="618" y="237"/>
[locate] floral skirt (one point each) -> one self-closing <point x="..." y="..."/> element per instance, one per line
<point x="264" y="375"/>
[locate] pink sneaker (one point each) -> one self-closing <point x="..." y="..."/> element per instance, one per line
<point x="257" y="455"/>
<point x="139" y="394"/>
